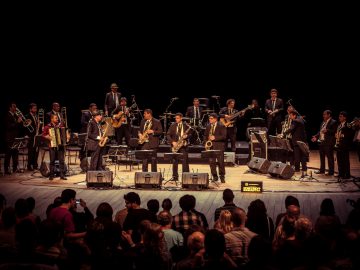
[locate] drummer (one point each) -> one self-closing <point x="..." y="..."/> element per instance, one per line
<point x="194" y="112"/>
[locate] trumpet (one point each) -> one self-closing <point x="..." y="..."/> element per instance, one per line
<point x="64" y="117"/>
<point x="26" y="122"/>
<point x="354" y="122"/>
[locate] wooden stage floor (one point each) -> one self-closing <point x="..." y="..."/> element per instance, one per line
<point x="309" y="192"/>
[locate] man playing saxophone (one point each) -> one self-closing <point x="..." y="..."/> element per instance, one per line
<point x="150" y="131"/>
<point x="56" y="147"/>
<point x="95" y="141"/>
<point x="177" y="136"/>
<point x="215" y="135"/>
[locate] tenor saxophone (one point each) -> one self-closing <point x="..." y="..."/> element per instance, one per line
<point x="104" y="138"/>
<point x="208" y="143"/>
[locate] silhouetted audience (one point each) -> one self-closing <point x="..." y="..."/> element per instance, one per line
<point x="258" y="221"/>
<point x="228" y="197"/>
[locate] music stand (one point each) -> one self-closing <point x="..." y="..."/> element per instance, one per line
<point x="279" y="144"/>
<point x="261" y="137"/>
<point x="304" y="148"/>
<point x="144" y="154"/>
<point x="211" y="154"/>
<point x="20" y="143"/>
<point x="172" y="157"/>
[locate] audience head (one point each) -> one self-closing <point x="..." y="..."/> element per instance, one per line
<point x="224" y="221"/>
<point x="257" y="208"/>
<point x="291" y="200"/>
<point x="292" y="213"/>
<point x="153" y="205"/>
<point x="132" y="199"/>
<point x="228" y="195"/>
<point x="164" y="218"/>
<point x="166" y="204"/>
<point x="31" y="203"/>
<point x="186" y="203"/>
<point x="2" y="202"/>
<point x="8" y="217"/>
<point x="68" y="196"/>
<point x="195" y="241"/>
<point x="104" y="210"/>
<point x="327" y="207"/>
<point x="21" y="208"/>
<point x="49" y="233"/>
<point x="214" y="244"/>
<point x="238" y="217"/>
<point x="303" y="228"/>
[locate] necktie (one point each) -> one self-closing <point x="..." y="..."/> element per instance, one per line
<point x="179" y="129"/>
<point x="212" y="129"/>
<point x="273" y="104"/>
<point x="123" y="109"/>
<point x="146" y="125"/>
<point x="230" y="111"/>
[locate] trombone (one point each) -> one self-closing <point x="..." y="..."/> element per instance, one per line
<point x="26" y="122"/>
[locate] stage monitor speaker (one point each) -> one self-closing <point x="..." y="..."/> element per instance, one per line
<point x="148" y="180"/>
<point x="260" y="165"/>
<point x="195" y="180"/>
<point x="45" y="168"/>
<point x="229" y="158"/>
<point x="281" y="170"/>
<point x="99" y="178"/>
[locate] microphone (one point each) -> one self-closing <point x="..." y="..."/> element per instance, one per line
<point x="215" y="96"/>
<point x="175" y="98"/>
<point x="288" y="102"/>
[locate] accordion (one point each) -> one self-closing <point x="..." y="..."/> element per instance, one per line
<point x="59" y="136"/>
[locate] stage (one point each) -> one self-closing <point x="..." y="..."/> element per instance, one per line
<point x="309" y="191"/>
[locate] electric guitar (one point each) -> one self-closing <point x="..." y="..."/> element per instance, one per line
<point x="231" y="120"/>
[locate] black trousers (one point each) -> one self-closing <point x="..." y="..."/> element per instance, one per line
<point x="33" y="154"/>
<point x="123" y="131"/>
<point x="57" y="154"/>
<point x="11" y="153"/>
<point x="220" y="159"/>
<point x="358" y="149"/>
<point x="328" y="152"/>
<point x="343" y="161"/>
<point x="299" y="157"/>
<point x="96" y="163"/>
<point x="231" y="135"/>
<point x="274" y="125"/>
<point x="185" y="162"/>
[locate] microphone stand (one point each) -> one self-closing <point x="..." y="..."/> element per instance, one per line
<point x="137" y="110"/>
<point x="163" y="141"/>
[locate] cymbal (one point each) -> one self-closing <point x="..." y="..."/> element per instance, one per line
<point x="137" y="110"/>
<point x="186" y="118"/>
<point x="207" y="111"/>
<point x="172" y="114"/>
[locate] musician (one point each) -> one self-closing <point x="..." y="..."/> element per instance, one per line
<point x="326" y="139"/>
<point x="55" y="109"/>
<point x="32" y="149"/>
<point x="13" y="125"/>
<point x="124" y="130"/>
<point x="57" y="152"/>
<point x="356" y="127"/>
<point x="94" y="136"/>
<point x="195" y="111"/>
<point x="226" y="113"/>
<point x="112" y="99"/>
<point x="343" y="140"/>
<point x="216" y="133"/>
<point x="297" y="131"/>
<point x="273" y="109"/>
<point x="153" y="128"/>
<point x="176" y="131"/>
<point x="86" y="117"/>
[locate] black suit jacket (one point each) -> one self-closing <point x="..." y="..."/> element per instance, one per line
<point x="92" y="142"/>
<point x="225" y="110"/>
<point x="48" y="116"/>
<point x="13" y="128"/>
<point x="220" y="136"/>
<point x="329" y="136"/>
<point x="279" y="104"/>
<point x="190" y="112"/>
<point x="153" y="138"/>
<point x="297" y="130"/>
<point x="172" y="135"/>
<point x="85" y="118"/>
<point x="34" y="125"/>
<point x="345" y="141"/>
<point x="110" y="103"/>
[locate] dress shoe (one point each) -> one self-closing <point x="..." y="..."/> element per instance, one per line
<point x="51" y="177"/>
<point x="222" y="179"/>
<point x="215" y="178"/>
<point x="329" y="174"/>
<point x="63" y="178"/>
<point x="319" y="172"/>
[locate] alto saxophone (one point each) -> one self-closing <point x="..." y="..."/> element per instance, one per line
<point x="104" y="138"/>
<point x="181" y="142"/>
<point x="339" y="136"/>
<point x="144" y="137"/>
<point x="208" y="143"/>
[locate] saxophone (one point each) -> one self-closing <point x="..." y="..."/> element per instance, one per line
<point x="208" y="143"/>
<point x="181" y="142"/>
<point x="339" y="135"/>
<point x="144" y="137"/>
<point x="104" y="138"/>
<point x="285" y="127"/>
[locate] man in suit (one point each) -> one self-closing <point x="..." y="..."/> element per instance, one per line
<point x="216" y="133"/>
<point x="273" y="109"/>
<point x="194" y="112"/>
<point x="55" y="109"/>
<point x="176" y="131"/>
<point x="326" y="139"/>
<point x="124" y="130"/>
<point x="153" y="128"/>
<point x="13" y="124"/>
<point x="56" y="152"/>
<point x="32" y="149"/>
<point x="226" y="113"/>
<point x="86" y="117"/>
<point x="94" y="136"/>
<point x="343" y="136"/>
<point x="112" y="99"/>
<point x="297" y="131"/>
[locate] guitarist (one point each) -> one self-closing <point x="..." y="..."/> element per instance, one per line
<point x="121" y="118"/>
<point x="225" y="114"/>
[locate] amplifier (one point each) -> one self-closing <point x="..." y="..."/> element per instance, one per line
<point x="148" y="180"/>
<point x="195" y="180"/>
<point x="99" y="178"/>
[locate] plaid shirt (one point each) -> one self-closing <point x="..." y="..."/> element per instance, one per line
<point x="184" y="220"/>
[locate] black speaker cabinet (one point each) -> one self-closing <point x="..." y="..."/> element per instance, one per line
<point x="195" y="180"/>
<point x="260" y="165"/>
<point x="148" y="180"/>
<point x="99" y="178"/>
<point x="45" y="168"/>
<point x="281" y="170"/>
